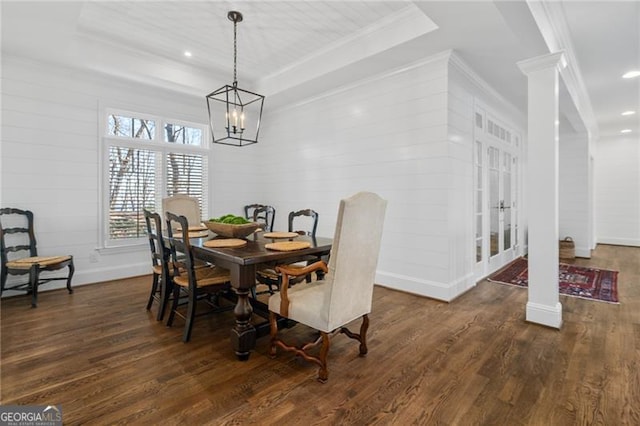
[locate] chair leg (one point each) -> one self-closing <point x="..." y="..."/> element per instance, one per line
<point x="3" y="279"/>
<point x="321" y="359"/>
<point x="323" y="372"/>
<point x="273" y="323"/>
<point x="276" y="284"/>
<point x="191" y="313"/>
<point x="72" y="269"/>
<point x="166" y="288"/>
<point x="362" y="337"/>
<point x="174" y="305"/>
<point x="154" y="290"/>
<point x="33" y="283"/>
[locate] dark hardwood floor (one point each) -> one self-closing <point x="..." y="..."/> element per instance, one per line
<point x="106" y="360"/>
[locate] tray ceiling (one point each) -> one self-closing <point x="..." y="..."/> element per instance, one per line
<point x="296" y="48"/>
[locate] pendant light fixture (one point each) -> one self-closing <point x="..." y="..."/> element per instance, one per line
<point x="234" y="113"/>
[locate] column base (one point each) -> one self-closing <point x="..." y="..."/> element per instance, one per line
<point x="550" y="316"/>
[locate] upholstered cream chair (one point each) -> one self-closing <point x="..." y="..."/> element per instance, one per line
<point x="183" y="205"/>
<point x="346" y="291"/>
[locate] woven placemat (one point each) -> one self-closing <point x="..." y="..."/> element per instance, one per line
<point x="198" y="234"/>
<point x="280" y="234"/>
<point x="225" y="243"/>
<point x="288" y="245"/>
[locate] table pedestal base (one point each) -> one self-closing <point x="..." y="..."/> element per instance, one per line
<point x="243" y="335"/>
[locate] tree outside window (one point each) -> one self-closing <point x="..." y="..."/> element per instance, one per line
<point x="144" y="167"/>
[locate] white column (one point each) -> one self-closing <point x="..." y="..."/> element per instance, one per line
<point x="543" y="306"/>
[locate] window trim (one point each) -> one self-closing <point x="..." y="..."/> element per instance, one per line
<point x="157" y="144"/>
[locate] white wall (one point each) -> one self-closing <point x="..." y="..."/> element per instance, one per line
<point x="617" y="176"/>
<point x="50" y="155"/>
<point x="460" y="113"/>
<point x="573" y="203"/>
<point x="386" y="134"/>
<point x="405" y="135"/>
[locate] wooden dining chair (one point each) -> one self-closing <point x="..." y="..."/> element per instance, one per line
<point x="19" y="255"/>
<point x="345" y="294"/>
<point x="268" y="276"/>
<point x="248" y="210"/>
<point x="162" y="280"/>
<point x="265" y="215"/>
<point x="201" y="282"/>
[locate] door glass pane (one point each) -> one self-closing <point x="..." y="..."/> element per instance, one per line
<point x="515" y="202"/>
<point x="494" y="201"/>
<point x="507" y="201"/>
<point x="479" y="200"/>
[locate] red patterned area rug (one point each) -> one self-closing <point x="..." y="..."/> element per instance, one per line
<point x="577" y="281"/>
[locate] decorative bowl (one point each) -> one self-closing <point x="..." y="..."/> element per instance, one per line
<point x="232" y="231"/>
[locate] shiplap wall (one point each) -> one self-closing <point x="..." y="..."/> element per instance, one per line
<point x="460" y="113"/>
<point x="405" y="135"/>
<point x="617" y="176"/>
<point x="573" y="203"/>
<point x="386" y="135"/>
<point x="50" y="155"/>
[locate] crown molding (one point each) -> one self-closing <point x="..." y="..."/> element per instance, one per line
<point x="488" y="90"/>
<point x="440" y="58"/>
<point x="555" y="60"/>
<point x="393" y="30"/>
<point x="550" y="18"/>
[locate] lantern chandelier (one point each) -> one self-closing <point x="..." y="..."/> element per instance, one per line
<point x="234" y="113"/>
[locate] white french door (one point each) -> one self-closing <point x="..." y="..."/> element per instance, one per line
<point x="501" y="207"/>
<point x="496" y="205"/>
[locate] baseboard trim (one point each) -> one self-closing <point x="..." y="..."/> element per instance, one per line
<point x="632" y="242"/>
<point x="92" y="276"/>
<point x="583" y="252"/>
<point x="550" y="316"/>
<point x="432" y="289"/>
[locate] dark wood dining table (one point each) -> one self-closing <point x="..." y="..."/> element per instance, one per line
<point x="242" y="262"/>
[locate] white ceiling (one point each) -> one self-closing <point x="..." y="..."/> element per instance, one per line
<point x="298" y="48"/>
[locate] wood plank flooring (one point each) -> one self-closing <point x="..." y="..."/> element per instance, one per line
<point x="475" y="360"/>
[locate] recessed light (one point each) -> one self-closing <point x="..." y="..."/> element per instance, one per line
<point x="628" y="113"/>
<point x="625" y="131"/>
<point x="187" y="54"/>
<point x="631" y="74"/>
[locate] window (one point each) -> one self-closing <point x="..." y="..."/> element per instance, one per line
<point x="145" y="164"/>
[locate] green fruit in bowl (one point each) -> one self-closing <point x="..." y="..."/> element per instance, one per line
<point x="230" y="219"/>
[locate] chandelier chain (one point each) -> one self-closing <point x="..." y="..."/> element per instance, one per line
<point x="235" y="53"/>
